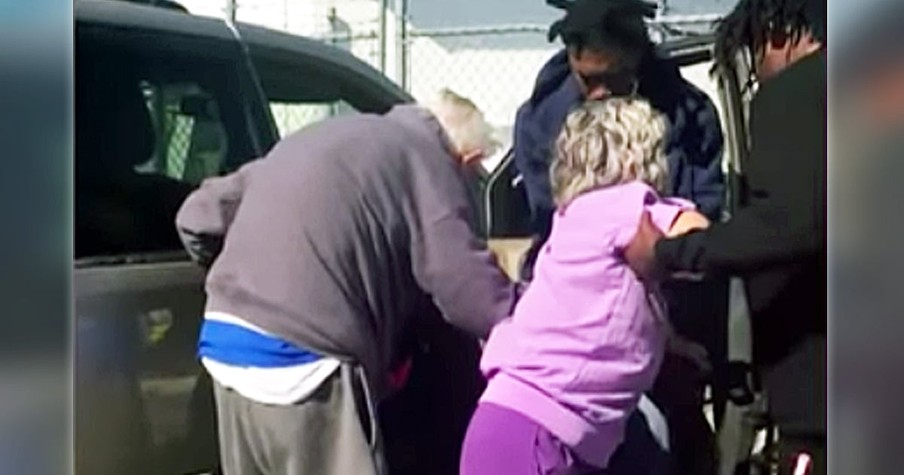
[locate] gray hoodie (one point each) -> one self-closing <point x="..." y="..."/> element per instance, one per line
<point x="335" y="239"/>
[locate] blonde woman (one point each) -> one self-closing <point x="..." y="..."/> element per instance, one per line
<point x="587" y="337"/>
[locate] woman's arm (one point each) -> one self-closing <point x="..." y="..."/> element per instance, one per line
<point x="687" y="221"/>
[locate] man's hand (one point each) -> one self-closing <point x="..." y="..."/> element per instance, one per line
<point x="639" y="253"/>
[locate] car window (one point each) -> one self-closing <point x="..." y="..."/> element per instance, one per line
<point x="150" y="126"/>
<point x="191" y="140"/>
<point x="301" y="90"/>
<point x="303" y="87"/>
<point x="293" y="116"/>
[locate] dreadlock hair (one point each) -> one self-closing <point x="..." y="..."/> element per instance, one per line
<point x="753" y="23"/>
<point x="610" y="25"/>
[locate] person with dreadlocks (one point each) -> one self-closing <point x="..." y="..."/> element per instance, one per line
<point x="777" y="240"/>
<point x="608" y="52"/>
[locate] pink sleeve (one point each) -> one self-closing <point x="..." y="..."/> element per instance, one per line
<point x="664" y="211"/>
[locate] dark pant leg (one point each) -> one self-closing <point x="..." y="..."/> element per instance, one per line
<point x="640" y="453"/>
<point x="425" y="423"/>
<point x="699" y="312"/>
<point x="679" y="393"/>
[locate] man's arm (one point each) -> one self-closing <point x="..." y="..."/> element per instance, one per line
<point x="785" y="219"/>
<point x="207" y="213"/>
<point x="461" y="275"/>
<point x="452" y="264"/>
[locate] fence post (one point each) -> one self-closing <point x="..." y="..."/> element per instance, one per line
<point x="401" y="7"/>
<point x="384" y="11"/>
<point x="230" y="10"/>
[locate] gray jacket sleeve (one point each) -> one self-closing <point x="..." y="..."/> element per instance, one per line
<point x="207" y="213"/>
<point x="453" y="265"/>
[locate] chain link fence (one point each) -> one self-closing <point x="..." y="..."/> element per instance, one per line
<point x="494" y="66"/>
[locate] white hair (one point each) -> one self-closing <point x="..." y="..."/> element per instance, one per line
<point x="463" y="122"/>
<point x="604" y="143"/>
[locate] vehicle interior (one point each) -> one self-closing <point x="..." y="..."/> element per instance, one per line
<point x="149" y="129"/>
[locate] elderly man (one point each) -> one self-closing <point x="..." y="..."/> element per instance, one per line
<point x="320" y="255"/>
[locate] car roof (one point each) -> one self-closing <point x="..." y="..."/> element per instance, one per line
<point x="122" y="14"/>
<point x="265" y="42"/>
<point x="260" y="41"/>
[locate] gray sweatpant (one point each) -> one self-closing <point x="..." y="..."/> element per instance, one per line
<point x="332" y="432"/>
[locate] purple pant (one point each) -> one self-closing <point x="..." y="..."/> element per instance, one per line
<point x="502" y="441"/>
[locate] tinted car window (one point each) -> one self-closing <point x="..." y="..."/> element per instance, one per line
<point x="297" y="101"/>
<point x="150" y="127"/>
<point x="306" y="82"/>
<point x="292" y="116"/>
<point x="191" y="140"/>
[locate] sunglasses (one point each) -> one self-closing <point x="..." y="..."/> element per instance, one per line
<point x="618" y="83"/>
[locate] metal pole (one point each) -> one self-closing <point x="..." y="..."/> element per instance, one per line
<point x="402" y="46"/>
<point x="230" y="10"/>
<point x="333" y="18"/>
<point x="384" y="10"/>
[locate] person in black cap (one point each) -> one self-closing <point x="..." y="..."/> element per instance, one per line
<point x="608" y="52"/>
<point x="777" y="240"/>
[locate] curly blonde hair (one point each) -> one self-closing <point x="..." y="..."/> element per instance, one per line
<point x="605" y="143"/>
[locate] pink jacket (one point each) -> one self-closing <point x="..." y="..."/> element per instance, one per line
<point x="586" y="338"/>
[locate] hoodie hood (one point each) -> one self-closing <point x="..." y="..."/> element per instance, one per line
<point x="660" y="79"/>
<point x="552" y="75"/>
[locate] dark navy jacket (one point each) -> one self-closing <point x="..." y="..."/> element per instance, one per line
<point x="694" y="146"/>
